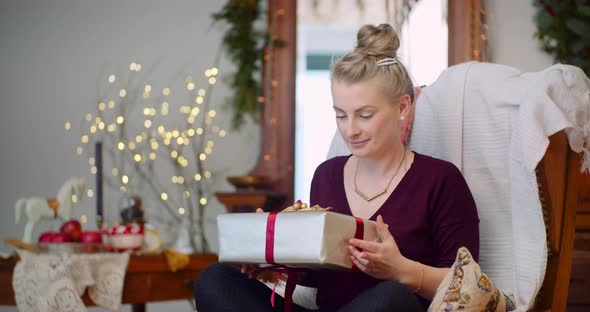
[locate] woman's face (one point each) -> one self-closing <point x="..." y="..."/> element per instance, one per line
<point x="366" y="118"/>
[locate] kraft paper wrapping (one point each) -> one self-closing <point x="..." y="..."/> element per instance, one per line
<point x="302" y="239"/>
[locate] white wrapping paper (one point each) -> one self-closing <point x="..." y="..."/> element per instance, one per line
<point x="302" y="239"/>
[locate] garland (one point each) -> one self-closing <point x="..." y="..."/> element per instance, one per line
<point x="563" y="27"/>
<point x="245" y="46"/>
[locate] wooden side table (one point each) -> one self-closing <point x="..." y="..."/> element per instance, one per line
<point x="148" y="279"/>
<point x="248" y="201"/>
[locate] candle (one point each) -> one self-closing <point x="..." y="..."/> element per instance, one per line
<point x="99" y="204"/>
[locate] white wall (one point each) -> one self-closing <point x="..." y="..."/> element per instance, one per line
<point x="511" y="35"/>
<point x="52" y="54"/>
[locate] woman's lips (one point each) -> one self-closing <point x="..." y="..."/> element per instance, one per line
<point x="357" y="144"/>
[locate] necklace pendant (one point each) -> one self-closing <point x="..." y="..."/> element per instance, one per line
<point x="370" y="198"/>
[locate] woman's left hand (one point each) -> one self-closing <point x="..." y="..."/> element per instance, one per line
<point x="381" y="259"/>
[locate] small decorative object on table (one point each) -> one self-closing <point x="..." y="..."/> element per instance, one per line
<point x="131" y="210"/>
<point x="37" y="208"/>
<point x="126" y="237"/>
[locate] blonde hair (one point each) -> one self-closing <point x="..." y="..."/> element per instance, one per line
<point x="375" y="43"/>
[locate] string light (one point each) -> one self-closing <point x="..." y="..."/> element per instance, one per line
<point x="117" y="124"/>
<point x="164" y="109"/>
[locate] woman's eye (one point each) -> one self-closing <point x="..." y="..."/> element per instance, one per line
<point x="340" y="116"/>
<point x="367" y="116"/>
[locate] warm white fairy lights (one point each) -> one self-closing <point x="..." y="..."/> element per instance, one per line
<point x="139" y="128"/>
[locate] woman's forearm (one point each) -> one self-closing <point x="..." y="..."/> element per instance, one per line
<point x="425" y="279"/>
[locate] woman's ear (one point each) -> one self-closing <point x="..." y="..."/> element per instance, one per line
<point x="405" y="106"/>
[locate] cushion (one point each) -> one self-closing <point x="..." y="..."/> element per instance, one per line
<point x="467" y="288"/>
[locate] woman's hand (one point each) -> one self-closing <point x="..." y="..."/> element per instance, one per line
<point x="381" y="259"/>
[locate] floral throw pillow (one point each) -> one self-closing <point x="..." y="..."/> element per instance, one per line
<point x="467" y="288"/>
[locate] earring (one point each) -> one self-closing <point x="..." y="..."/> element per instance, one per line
<point x="402" y="117"/>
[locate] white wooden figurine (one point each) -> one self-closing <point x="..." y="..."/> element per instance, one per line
<point x="36" y="208"/>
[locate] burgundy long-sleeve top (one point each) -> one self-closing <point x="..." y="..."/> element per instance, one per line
<point x="431" y="213"/>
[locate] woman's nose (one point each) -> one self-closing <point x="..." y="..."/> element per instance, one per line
<point x="352" y="129"/>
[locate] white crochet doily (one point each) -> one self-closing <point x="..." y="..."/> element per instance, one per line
<point x="55" y="282"/>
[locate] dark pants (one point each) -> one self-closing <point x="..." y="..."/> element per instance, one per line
<point x="222" y="287"/>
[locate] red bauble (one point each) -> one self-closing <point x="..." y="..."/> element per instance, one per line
<point x="46" y="237"/>
<point x="91" y="237"/>
<point x="72" y="230"/>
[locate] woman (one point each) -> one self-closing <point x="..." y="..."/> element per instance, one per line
<point x="423" y="207"/>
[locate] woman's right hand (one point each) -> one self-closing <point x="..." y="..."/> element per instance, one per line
<point x="252" y="270"/>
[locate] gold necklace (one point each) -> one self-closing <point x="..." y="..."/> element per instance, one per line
<point x="383" y="191"/>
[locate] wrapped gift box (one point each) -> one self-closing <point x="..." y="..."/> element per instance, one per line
<point x="301" y="239"/>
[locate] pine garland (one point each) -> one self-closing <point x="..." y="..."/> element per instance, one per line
<point x="563" y="27"/>
<point x="246" y="47"/>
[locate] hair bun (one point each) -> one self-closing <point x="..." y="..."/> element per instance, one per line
<point x="377" y="41"/>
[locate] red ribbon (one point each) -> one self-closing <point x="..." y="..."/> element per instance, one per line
<point x="292" y="272"/>
<point x="358" y="234"/>
<point x="360" y="228"/>
<point x="269" y="251"/>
